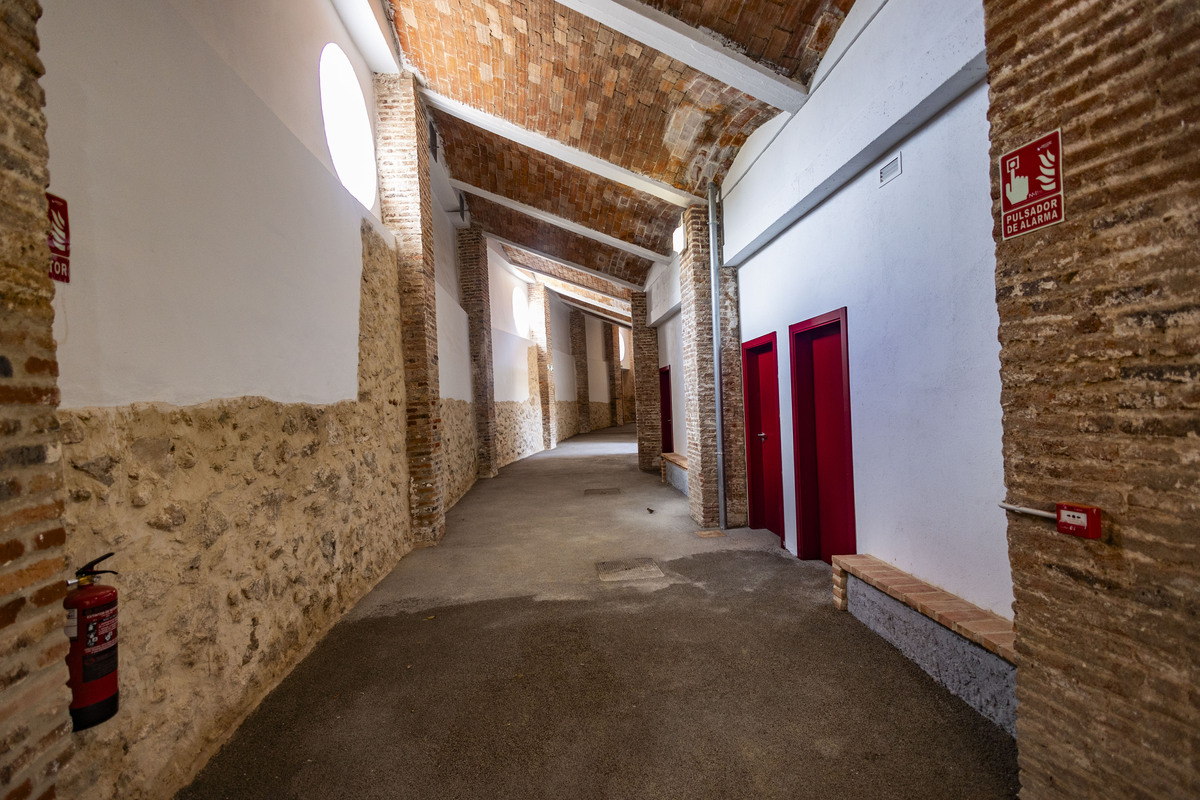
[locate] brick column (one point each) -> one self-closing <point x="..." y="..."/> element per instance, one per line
<point x="35" y="728"/>
<point x="539" y="314"/>
<point x="1100" y="376"/>
<point x="579" y="351"/>
<point x="645" y="386"/>
<point x="733" y="402"/>
<point x="613" y="368"/>
<point x="475" y="292"/>
<point x="406" y="200"/>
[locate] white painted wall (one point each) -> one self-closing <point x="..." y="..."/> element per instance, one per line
<point x="662" y="291"/>
<point x="560" y="339"/>
<point x="214" y="251"/>
<point x="914" y="58"/>
<point x="454" y="344"/>
<point x="597" y="365"/>
<point x="510" y="347"/>
<point x="913" y="262"/>
<point x="670" y="354"/>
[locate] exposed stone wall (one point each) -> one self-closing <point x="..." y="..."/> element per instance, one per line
<point x="519" y="423"/>
<point x="645" y="386"/>
<point x="34" y="725"/>
<point x="405" y="200"/>
<point x="579" y="352"/>
<point x="460" y="462"/>
<point x="601" y="416"/>
<point x="475" y="291"/>
<point x="1100" y="369"/>
<point x="242" y="529"/>
<point x="519" y="430"/>
<point x="568" y="419"/>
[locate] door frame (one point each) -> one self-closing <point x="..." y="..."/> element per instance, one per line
<point x="757" y="344"/>
<point x="794" y="333"/>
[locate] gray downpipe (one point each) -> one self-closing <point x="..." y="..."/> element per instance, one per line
<point x="714" y="270"/>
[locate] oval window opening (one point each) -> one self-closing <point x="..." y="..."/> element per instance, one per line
<point x="347" y="125"/>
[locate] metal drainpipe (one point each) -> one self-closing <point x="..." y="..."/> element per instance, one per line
<point x="714" y="270"/>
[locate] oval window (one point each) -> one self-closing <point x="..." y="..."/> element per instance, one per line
<point x="347" y="126"/>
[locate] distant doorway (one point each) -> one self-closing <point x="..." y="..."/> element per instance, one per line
<point x="821" y="432"/>
<point x="764" y="456"/>
<point x="664" y="405"/>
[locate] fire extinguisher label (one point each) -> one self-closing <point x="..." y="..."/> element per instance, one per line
<point x="98" y="627"/>
<point x="72" y="626"/>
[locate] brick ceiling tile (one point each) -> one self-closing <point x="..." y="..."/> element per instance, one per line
<point x="500" y="166"/>
<point x="544" y="266"/>
<point x="543" y="237"/>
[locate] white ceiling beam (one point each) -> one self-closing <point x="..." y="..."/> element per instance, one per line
<point x="626" y="322"/>
<point x="562" y="262"/>
<point x="563" y="152"/>
<point x="565" y="224"/>
<point x="698" y="50"/>
<point x="581" y="293"/>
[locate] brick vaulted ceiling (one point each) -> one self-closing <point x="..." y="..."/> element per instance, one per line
<point x="553" y="74"/>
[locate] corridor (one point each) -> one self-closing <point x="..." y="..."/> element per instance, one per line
<point x="499" y="665"/>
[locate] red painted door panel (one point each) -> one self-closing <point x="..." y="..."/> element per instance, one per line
<point x="664" y="402"/>
<point x="764" y="456"/>
<point x="821" y="425"/>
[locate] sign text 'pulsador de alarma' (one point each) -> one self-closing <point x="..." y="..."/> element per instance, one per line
<point x="1033" y="186"/>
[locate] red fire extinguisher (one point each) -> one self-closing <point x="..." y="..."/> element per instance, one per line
<point x="92" y="660"/>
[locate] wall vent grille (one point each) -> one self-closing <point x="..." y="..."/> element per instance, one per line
<point x="890" y="170"/>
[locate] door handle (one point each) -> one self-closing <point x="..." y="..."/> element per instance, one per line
<point x="762" y="436"/>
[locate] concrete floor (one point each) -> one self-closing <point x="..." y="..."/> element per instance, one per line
<point x="498" y="665"/>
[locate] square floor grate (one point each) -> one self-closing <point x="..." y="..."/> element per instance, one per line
<point x="630" y="569"/>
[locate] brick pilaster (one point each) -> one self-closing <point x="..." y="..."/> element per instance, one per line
<point x="733" y="401"/>
<point x="35" y="728"/>
<point x="699" y="394"/>
<point x="645" y="386"/>
<point x="579" y="352"/>
<point x="406" y="201"/>
<point x="612" y="351"/>
<point x="1100" y="374"/>
<point x="475" y="294"/>
<point x="539" y="315"/>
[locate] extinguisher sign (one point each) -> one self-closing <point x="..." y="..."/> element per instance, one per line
<point x="59" y="239"/>
<point x="1031" y="177"/>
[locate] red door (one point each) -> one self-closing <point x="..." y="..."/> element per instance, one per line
<point x="664" y="409"/>
<point x="821" y="430"/>
<point x="764" y="457"/>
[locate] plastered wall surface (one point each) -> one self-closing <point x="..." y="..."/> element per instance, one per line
<point x="189" y="172"/>
<point x="454" y="351"/>
<point x="242" y="529"/>
<point x="564" y="361"/>
<point x="597" y="365"/>
<point x="912" y="261"/>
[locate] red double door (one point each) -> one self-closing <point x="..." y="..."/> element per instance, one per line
<point x="824" y="467"/>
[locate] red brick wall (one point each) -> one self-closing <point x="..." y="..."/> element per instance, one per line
<point x="476" y="298"/>
<point x="645" y="386"/>
<point x="34" y="725"/>
<point x="612" y="364"/>
<point x="405" y="198"/>
<point x="579" y="353"/>
<point x="545" y="266"/>
<point x="1100" y="369"/>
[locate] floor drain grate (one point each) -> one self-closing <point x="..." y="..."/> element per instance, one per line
<point x="631" y="569"/>
<point x="609" y="490"/>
